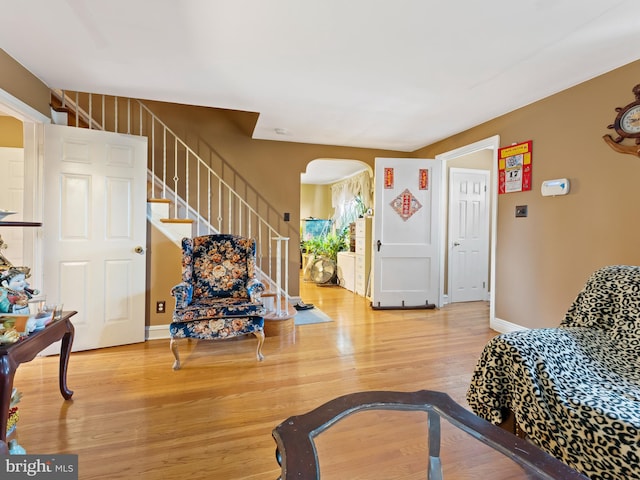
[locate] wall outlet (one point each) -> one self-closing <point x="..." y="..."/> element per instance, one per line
<point x="160" y="307"/>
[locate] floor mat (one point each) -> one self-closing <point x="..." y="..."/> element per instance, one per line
<point x="307" y="317"/>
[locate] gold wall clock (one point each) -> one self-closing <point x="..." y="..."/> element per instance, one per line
<point x="626" y="126"/>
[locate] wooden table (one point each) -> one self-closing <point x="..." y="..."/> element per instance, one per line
<point x="296" y="452"/>
<point x="25" y="350"/>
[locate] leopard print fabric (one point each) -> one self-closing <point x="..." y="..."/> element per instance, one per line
<point x="575" y="389"/>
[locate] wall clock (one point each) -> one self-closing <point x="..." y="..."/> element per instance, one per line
<point x="627" y="126"/>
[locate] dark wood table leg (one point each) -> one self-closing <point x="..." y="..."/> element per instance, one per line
<point x="434" y="465"/>
<point x="65" y="351"/>
<point x="7" y="372"/>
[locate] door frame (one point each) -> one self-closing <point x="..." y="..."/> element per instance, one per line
<point x="33" y="136"/>
<point x="491" y="143"/>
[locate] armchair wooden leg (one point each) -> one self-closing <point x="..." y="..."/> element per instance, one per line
<point x="174" y="349"/>
<point x="260" y="336"/>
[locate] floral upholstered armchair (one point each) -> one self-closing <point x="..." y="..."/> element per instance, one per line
<point x="219" y="296"/>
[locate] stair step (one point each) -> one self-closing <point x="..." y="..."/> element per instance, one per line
<point x="278" y="327"/>
<point x="158" y="200"/>
<point x="176" y="220"/>
<point x="286" y="309"/>
<point x="287" y="312"/>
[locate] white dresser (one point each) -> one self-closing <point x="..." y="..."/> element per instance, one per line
<point x="347" y="270"/>
<point x="363" y="255"/>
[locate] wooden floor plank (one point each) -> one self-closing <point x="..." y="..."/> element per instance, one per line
<point x="132" y="416"/>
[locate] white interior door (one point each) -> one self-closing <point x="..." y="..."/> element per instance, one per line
<point x="468" y="235"/>
<point x="406" y="240"/>
<point x="11" y="198"/>
<point x="94" y="232"/>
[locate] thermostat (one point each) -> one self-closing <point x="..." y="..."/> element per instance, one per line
<point x="559" y="186"/>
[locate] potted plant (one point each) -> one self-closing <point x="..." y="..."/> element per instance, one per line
<point x="323" y="251"/>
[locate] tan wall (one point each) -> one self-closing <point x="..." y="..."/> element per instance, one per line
<point x="542" y="261"/>
<point x="11" y="132"/>
<point x="22" y="84"/>
<point x="164" y="270"/>
<point x="315" y="201"/>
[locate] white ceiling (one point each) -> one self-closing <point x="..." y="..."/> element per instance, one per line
<point x="383" y="74"/>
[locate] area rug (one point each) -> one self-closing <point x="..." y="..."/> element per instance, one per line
<point x="314" y="315"/>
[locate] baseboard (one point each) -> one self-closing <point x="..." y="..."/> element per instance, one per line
<point x="502" y="326"/>
<point x="157" y="332"/>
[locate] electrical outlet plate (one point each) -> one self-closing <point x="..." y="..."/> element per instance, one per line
<point x="160" y="307"/>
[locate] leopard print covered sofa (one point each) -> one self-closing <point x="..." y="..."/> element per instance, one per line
<point x="574" y="390"/>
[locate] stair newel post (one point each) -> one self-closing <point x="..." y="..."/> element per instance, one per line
<point x="219" y="204"/>
<point x="279" y="289"/>
<point x="187" y="182"/>
<point x="286" y="264"/>
<point x="176" y="178"/>
<point x="209" y="198"/>
<point x="278" y="276"/>
<point x="197" y="193"/>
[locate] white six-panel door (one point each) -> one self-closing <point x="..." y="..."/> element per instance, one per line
<point x="94" y="232"/>
<point x="406" y="243"/>
<point x="468" y="235"/>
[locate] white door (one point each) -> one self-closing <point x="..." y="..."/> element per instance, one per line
<point x="468" y="235"/>
<point x="406" y="247"/>
<point x="11" y="196"/>
<point x="94" y="232"/>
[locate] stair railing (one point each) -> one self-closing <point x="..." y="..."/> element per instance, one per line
<point x="180" y="175"/>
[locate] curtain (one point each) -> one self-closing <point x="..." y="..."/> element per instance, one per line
<point x="350" y="198"/>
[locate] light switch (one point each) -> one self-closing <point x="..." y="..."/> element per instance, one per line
<point x="521" y="210"/>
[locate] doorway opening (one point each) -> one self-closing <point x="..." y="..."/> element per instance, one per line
<point x="32" y="121"/>
<point x="479" y="155"/>
<point x="333" y="194"/>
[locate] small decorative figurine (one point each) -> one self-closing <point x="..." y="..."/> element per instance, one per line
<point x="16" y="395"/>
<point x="15" y="448"/>
<point x="14" y="290"/>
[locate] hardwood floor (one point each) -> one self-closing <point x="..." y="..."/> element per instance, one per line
<point x="132" y="416"/>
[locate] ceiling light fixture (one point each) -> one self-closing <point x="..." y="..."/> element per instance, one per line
<point x="282" y="131"/>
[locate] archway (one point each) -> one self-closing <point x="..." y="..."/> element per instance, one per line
<point x="331" y="196"/>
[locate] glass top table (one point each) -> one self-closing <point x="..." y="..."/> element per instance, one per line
<point x="423" y="434"/>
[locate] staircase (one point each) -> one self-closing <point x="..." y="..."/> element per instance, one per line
<point x="186" y="197"/>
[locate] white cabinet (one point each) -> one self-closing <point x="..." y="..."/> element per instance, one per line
<point x="363" y="255"/>
<point x="347" y="270"/>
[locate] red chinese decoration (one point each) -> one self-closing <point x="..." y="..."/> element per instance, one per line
<point x="388" y="177"/>
<point x="424" y="179"/>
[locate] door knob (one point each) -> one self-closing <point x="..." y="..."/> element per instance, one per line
<point x="139" y="250"/>
<point x="378" y="244"/>
<point x="455" y="244"/>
